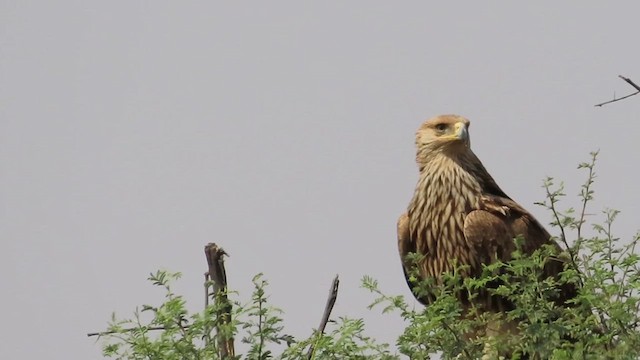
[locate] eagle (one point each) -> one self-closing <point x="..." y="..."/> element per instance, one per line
<point x="459" y="216"/>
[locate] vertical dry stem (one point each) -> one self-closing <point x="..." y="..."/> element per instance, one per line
<point x="218" y="277"/>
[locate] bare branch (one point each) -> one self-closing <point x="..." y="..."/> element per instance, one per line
<point x="331" y="301"/>
<point x="217" y="274"/>
<point x="127" y="330"/>
<point x="630" y="82"/>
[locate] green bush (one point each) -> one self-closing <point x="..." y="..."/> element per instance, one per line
<point x="600" y="323"/>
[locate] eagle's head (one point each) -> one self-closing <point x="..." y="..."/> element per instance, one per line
<point x="448" y="134"/>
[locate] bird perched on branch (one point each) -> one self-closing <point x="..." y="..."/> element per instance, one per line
<point x="459" y="215"/>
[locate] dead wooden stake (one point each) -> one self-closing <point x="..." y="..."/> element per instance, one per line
<point x="218" y="277"/>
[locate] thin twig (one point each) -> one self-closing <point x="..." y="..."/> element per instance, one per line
<point x="585" y="200"/>
<point x="457" y="339"/>
<point x="573" y="255"/>
<point x="586" y="197"/>
<point x="217" y="274"/>
<point x="331" y="301"/>
<point x="206" y="290"/>
<point x="631" y="247"/>
<point x="207" y="333"/>
<point x="630" y="82"/>
<point x="126" y="330"/>
<point x="260" y="323"/>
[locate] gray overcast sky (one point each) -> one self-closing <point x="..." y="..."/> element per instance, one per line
<point x="134" y="132"/>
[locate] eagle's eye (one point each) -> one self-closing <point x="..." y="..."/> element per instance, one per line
<point x="441" y="127"/>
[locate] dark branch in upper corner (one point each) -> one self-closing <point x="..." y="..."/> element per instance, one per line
<point x="630" y="82"/>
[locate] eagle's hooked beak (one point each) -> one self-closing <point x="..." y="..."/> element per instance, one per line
<point x="461" y="131"/>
